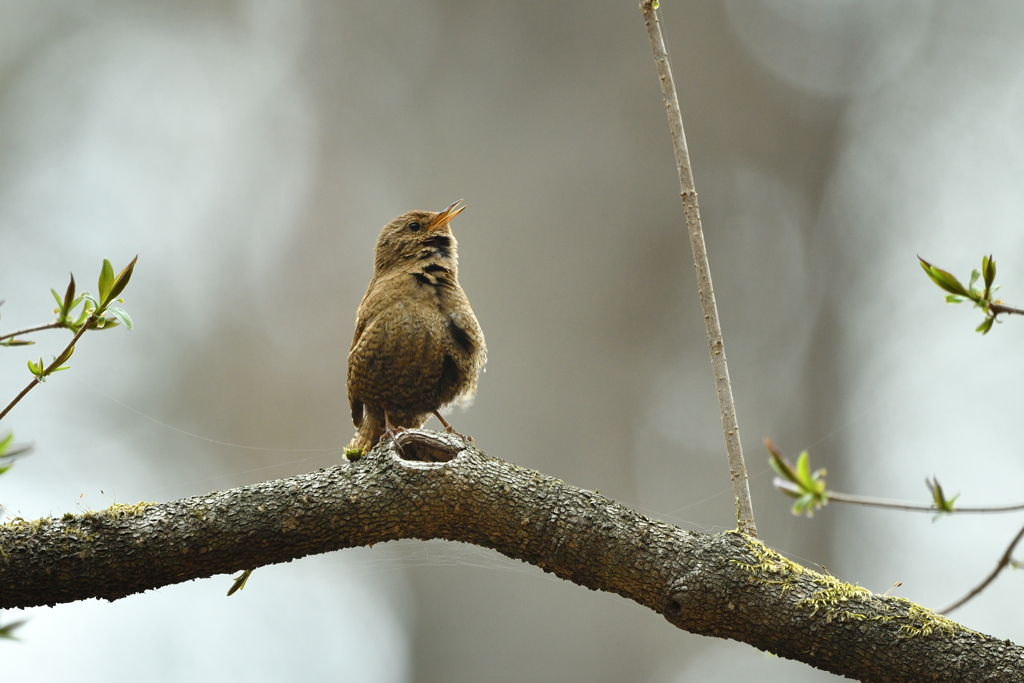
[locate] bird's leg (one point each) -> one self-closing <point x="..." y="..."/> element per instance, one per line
<point x="448" y="428"/>
<point x="392" y="431"/>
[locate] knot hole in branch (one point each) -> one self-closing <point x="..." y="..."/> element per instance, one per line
<point x="679" y="602"/>
<point x="425" y="446"/>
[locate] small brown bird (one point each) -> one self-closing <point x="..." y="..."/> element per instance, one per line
<point x="418" y="345"/>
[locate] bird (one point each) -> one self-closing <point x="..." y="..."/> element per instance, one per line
<point x="418" y="346"/>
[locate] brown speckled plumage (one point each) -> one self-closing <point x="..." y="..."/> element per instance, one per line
<point x="418" y="345"/>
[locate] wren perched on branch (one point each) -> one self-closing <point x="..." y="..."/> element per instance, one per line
<point x="418" y="346"/>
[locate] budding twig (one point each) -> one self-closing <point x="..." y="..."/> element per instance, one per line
<point x="1003" y="308"/>
<point x="61" y="357"/>
<point x="837" y="497"/>
<point x="49" y="326"/>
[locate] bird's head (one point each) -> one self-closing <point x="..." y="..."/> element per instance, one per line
<point x="418" y="236"/>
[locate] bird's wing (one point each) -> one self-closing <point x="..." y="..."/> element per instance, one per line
<point x="357" y="411"/>
<point x="360" y="327"/>
<point x="355" y="404"/>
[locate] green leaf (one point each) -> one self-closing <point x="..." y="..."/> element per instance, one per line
<point x="106" y="281"/>
<point x="806" y="504"/>
<point x="36" y="369"/>
<point x="56" y="298"/>
<point x="785" y="487"/>
<point x="121" y="282"/>
<point x="121" y="315"/>
<point x="105" y="321"/>
<point x="9" y="452"/>
<point x="807" y="487"/>
<point x="17" y="342"/>
<point x="803" y="468"/>
<point x="819" y="484"/>
<point x="988" y="266"/>
<point x="69" y="297"/>
<point x="65" y="355"/>
<point x="944" y="279"/>
<point x="975" y="274"/>
<point x="954" y="299"/>
<point x="6" y="442"/>
<point x="781" y="466"/>
<point x="80" y="320"/>
<point x="7" y="630"/>
<point x="985" y="326"/>
<point x="942" y="504"/>
<point x="239" y="581"/>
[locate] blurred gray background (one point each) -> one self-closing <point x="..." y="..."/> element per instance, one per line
<point x="249" y="152"/>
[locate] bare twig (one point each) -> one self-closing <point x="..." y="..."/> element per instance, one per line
<point x="835" y="496"/>
<point x="49" y="326"/>
<point x="1002" y="308"/>
<point x="737" y="468"/>
<point x="1000" y="566"/>
<point x="61" y="357"/>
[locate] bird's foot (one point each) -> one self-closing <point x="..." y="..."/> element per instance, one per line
<point x="392" y="431"/>
<point x="448" y="428"/>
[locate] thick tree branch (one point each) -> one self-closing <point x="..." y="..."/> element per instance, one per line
<point x="729" y="585"/>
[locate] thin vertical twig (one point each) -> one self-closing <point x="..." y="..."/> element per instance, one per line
<point x="737" y="468"/>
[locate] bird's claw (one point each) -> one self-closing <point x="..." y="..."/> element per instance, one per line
<point x="451" y="430"/>
<point x="392" y="431"/>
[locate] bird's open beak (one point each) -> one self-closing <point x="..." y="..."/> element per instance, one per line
<point x="447" y="215"/>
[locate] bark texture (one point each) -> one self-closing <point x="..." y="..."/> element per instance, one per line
<point x="727" y="585"/>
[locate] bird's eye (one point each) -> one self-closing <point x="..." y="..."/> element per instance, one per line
<point x="414" y="226"/>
